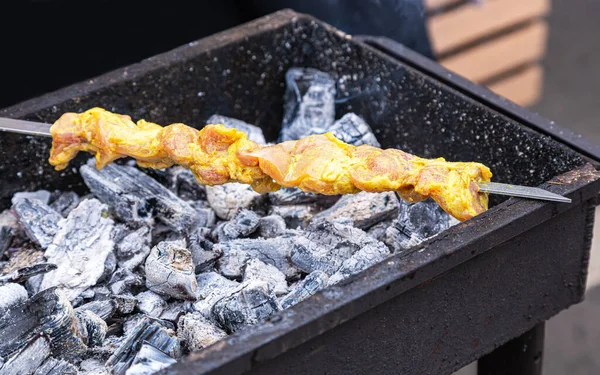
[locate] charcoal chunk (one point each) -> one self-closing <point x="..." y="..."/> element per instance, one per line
<point x="53" y="366"/>
<point x="232" y="263"/>
<point x="41" y="195"/>
<point x="79" y="249"/>
<point x="10" y="295"/>
<point x="65" y="203"/>
<point x="253" y="132"/>
<point x="134" y="248"/>
<point x="378" y="230"/>
<point x="23" y="274"/>
<point x="416" y="223"/>
<point x="47" y="313"/>
<point x="294" y="196"/>
<point x="354" y="130"/>
<point x="92" y="366"/>
<point x="196" y="332"/>
<point x="136" y="198"/>
<point x="244" y="223"/>
<point x="364" y="209"/>
<point x="170" y="271"/>
<point x="150" y="303"/>
<point x="312" y="283"/>
<point x="147" y="331"/>
<point x="125" y="303"/>
<point x="295" y="216"/>
<point x="257" y="270"/>
<point x="364" y="258"/>
<point x="182" y="182"/>
<point x="40" y="222"/>
<point x="92" y="327"/>
<point x="149" y="360"/>
<point x="6" y="236"/>
<point x="204" y="254"/>
<point x="227" y="199"/>
<point x="104" y="309"/>
<point x="175" y="309"/>
<point x="29" y="358"/>
<point x="211" y="288"/>
<point x="271" y="226"/>
<point x="125" y="281"/>
<point x="252" y="303"/>
<point x="309" y="106"/>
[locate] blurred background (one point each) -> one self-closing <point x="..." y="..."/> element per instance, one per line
<point x="541" y="54"/>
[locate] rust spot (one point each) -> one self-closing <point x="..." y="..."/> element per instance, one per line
<point x="585" y="172"/>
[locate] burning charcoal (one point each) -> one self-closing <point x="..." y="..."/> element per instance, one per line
<point x="147" y="331"/>
<point x="365" y="209"/>
<point x="134" y="248"/>
<point x="41" y="195"/>
<point x="47" y="313"/>
<point x="294" y="196"/>
<point x="211" y="288"/>
<point x="53" y="366"/>
<point x="354" y="130"/>
<point x="242" y="224"/>
<point x="28" y="359"/>
<point x="40" y="222"/>
<point x="136" y="197"/>
<point x="227" y="199"/>
<point x="11" y="295"/>
<point x="364" y="258"/>
<point x="92" y="366"/>
<point x="93" y="328"/>
<point x="203" y="252"/>
<point x="104" y="309"/>
<point x="150" y="303"/>
<point x="125" y="303"/>
<point x="175" y="309"/>
<point x="65" y="203"/>
<point x="6" y="237"/>
<point x="231" y="264"/>
<point x="252" y="303"/>
<point x="149" y="360"/>
<point x="253" y="132"/>
<point x="295" y="216"/>
<point x="415" y="223"/>
<point x="275" y="251"/>
<point x="312" y="283"/>
<point x="327" y="245"/>
<point x="183" y="183"/>
<point x="80" y="248"/>
<point x="257" y="270"/>
<point x="23" y="274"/>
<point x="124" y="280"/>
<point x="309" y="103"/>
<point x="195" y="332"/>
<point x="170" y="272"/>
<point x="271" y="226"/>
<point x="378" y="230"/>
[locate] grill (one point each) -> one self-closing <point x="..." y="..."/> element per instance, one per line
<point x="451" y="300"/>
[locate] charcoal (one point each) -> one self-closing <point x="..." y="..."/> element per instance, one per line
<point x="125" y="303"/>
<point x="309" y="106"/>
<point x="354" y="130"/>
<point x="416" y="223"/>
<point x="211" y="288"/>
<point x="227" y="199"/>
<point x="22" y="257"/>
<point x="295" y="216"/>
<point x="10" y="295"/>
<point x="378" y="230"/>
<point x="110" y="265"/>
<point x="327" y="245"/>
<point x="29" y="358"/>
<point x="125" y="281"/>
<point x="175" y="309"/>
<point x="147" y="331"/>
<point x="312" y="283"/>
<point x="232" y="263"/>
<point x="47" y="313"/>
<point x="182" y="182"/>
<point x="150" y="303"/>
<point x="134" y="248"/>
<point x="364" y="258"/>
<point x="6" y="237"/>
<point x="53" y="366"/>
<point x="274" y="251"/>
<point x="65" y="203"/>
<point x="131" y="321"/>
<point x="294" y="196"/>
<point x="251" y="303"/>
<point x="244" y="223"/>
<point x="80" y="247"/>
<point x="41" y="195"/>
<point x="23" y="274"/>
<point x="100" y="292"/>
<point x="253" y="132"/>
<point x="206" y="216"/>
<point x="104" y="309"/>
<point x="40" y="222"/>
<point x="170" y="271"/>
<point x="149" y="360"/>
<point x="204" y="254"/>
<point x="365" y="209"/>
<point x="195" y="332"/>
<point x="92" y="327"/>
<point x="92" y="366"/>
<point x="257" y="270"/>
<point x="136" y="198"/>
<point x="271" y="226"/>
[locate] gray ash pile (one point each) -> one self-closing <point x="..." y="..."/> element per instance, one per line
<point x="150" y="265"/>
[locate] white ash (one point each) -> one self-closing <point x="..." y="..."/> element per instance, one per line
<point x="211" y="288"/>
<point x="40" y="195"/>
<point x="28" y="359"/>
<point x="133" y="249"/>
<point x="92" y="366"/>
<point x="254" y="269"/>
<point x="231" y="263"/>
<point x="170" y="271"/>
<point x="53" y="366"/>
<point x="196" y="332"/>
<point x="227" y="199"/>
<point x="312" y="283"/>
<point x="271" y="226"/>
<point x="149" y="360"/>
<point x="11" y="294"/>
<point x="150" y="304"/>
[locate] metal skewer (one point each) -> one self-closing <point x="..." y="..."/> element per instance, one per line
<point x="43" y="130"/>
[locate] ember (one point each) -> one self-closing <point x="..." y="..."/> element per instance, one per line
<point x="152" y="266"/>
